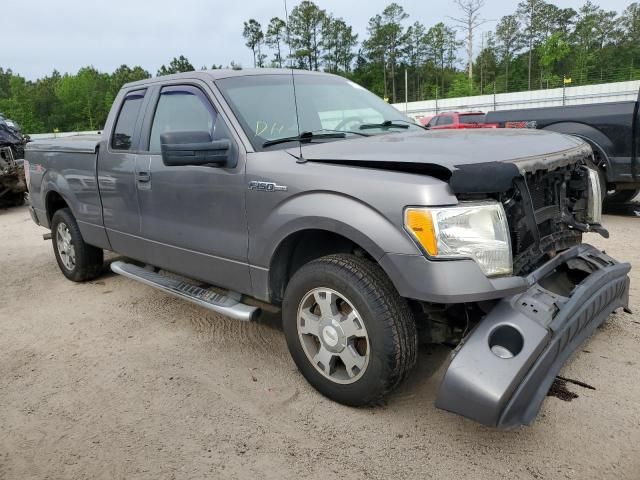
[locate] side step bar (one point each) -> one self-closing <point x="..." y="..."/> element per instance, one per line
<point x="223" y="304"/>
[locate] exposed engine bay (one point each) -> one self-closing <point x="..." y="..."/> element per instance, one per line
<point x="548" y="211"/>
<point x="12" y="178"/>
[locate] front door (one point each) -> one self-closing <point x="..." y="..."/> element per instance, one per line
<point x="192" y="218"/>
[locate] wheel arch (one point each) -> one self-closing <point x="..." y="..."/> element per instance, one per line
<point x="302" y="246"/>
<point x="54" y="201"/>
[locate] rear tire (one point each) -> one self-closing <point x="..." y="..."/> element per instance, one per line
<point x="344" y="310"/>
<point x="77" y="260"/>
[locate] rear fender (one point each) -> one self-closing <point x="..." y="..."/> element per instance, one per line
<point x="54" y="183"/>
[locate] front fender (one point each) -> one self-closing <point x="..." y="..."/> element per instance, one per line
<point x="333" y="212"/>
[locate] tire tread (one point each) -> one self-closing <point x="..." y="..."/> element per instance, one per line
<point x="391" y="309"/>
<point x="89" y="259"/>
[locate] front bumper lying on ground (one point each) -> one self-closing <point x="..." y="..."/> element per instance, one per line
<point x="500" y="374"/>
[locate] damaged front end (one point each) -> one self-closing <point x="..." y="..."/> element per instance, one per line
<point x="501" y="371"/>
<point x="12" y="176"/>
<point x="13" y="185"/>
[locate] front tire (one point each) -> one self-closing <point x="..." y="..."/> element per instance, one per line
<point x="348" y="330"/>
<point x="77" y="260"/>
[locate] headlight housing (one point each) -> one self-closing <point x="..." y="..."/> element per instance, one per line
<point x="594" y="204"/>
<point x="476" y="230"/>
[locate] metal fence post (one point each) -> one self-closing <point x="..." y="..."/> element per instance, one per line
<point x="495" y="107"/>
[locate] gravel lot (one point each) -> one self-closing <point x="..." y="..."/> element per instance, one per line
<point x="112" y="379"/>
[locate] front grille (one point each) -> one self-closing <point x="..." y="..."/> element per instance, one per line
<point x="539" y="210"/>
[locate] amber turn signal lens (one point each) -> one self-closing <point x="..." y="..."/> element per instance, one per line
<point x="420" y="224"/>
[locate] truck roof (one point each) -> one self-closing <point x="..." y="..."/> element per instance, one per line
<point x="222" y="73"/>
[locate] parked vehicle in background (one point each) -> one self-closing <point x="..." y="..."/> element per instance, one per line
<point x="12" y="175"/>
<point x="612" y="129"/>
<point x="361" y="225"/>
<point x="424" y="121"/>
<point x="458" y="120"/>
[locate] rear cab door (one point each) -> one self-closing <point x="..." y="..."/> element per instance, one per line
<point x="116" y="166"/>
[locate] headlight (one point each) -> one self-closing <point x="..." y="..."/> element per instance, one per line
<point x="476" y="230"/>
<point x="594" y="205"/>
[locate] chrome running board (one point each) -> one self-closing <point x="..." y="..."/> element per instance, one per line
<point x="228" y="305"/>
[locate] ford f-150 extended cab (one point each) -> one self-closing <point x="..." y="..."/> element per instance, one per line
<point x="305" y="191"/>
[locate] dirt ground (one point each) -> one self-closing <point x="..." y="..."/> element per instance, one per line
<point x="112" y="379"/>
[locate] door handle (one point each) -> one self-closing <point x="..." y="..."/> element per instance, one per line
<point x="143" y="177"/>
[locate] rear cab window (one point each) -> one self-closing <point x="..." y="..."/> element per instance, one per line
<point x="123" y="131"/>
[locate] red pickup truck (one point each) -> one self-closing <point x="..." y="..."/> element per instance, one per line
<point x="456" y="120"/>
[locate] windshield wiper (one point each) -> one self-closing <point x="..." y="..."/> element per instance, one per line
<point x="304" y="137"/>
<point x="362" y="134"/>
<point x="387" y="124"/>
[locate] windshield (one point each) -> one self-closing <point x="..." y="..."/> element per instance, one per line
<point x="266" y="107"/>
<point x="472" y="118"/>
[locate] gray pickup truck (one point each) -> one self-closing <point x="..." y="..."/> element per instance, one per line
<point x="233" y="189"/>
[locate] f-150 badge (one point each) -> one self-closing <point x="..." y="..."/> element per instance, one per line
<point x="266" y="186"/>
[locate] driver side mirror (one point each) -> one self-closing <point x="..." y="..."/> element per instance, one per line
<point x="193" y="148"/>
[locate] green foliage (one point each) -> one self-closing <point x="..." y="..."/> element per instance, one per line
<point x="305" y="30"/>
<point x="254" y="37"/>
<point x="275" y="38"/>
<point x="534" y="47"/>
<point x="177" y="65"/>
<point x="63" y="102"/>
<point x="338" y="41"/>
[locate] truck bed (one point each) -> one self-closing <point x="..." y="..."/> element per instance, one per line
<point x="67" y="166"/>
<point x="76" y="143"/>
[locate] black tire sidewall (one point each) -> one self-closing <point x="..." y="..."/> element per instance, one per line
<point x="379" y="370"/>
<point x="85" y="267"/>
<point x="621" y="196"/>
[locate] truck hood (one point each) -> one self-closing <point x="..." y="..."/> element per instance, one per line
<point x="455" y="155"/>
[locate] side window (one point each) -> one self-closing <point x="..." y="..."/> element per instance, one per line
<point x="181" y="109"/>
<point x="123" y="131"/>
<point x="445" y="120"/>
<point x="433" y="122"/>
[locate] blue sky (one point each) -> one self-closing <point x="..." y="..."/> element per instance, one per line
<point x="69" y="34"/>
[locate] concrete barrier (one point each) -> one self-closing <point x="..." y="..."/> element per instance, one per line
<point x="600" y="93"/>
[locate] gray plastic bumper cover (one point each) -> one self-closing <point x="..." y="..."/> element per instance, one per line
<point x="501" y="373"/>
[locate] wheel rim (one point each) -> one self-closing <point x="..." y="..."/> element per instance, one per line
<point x="66" y="250"/>
<point x="333" y="335"/>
